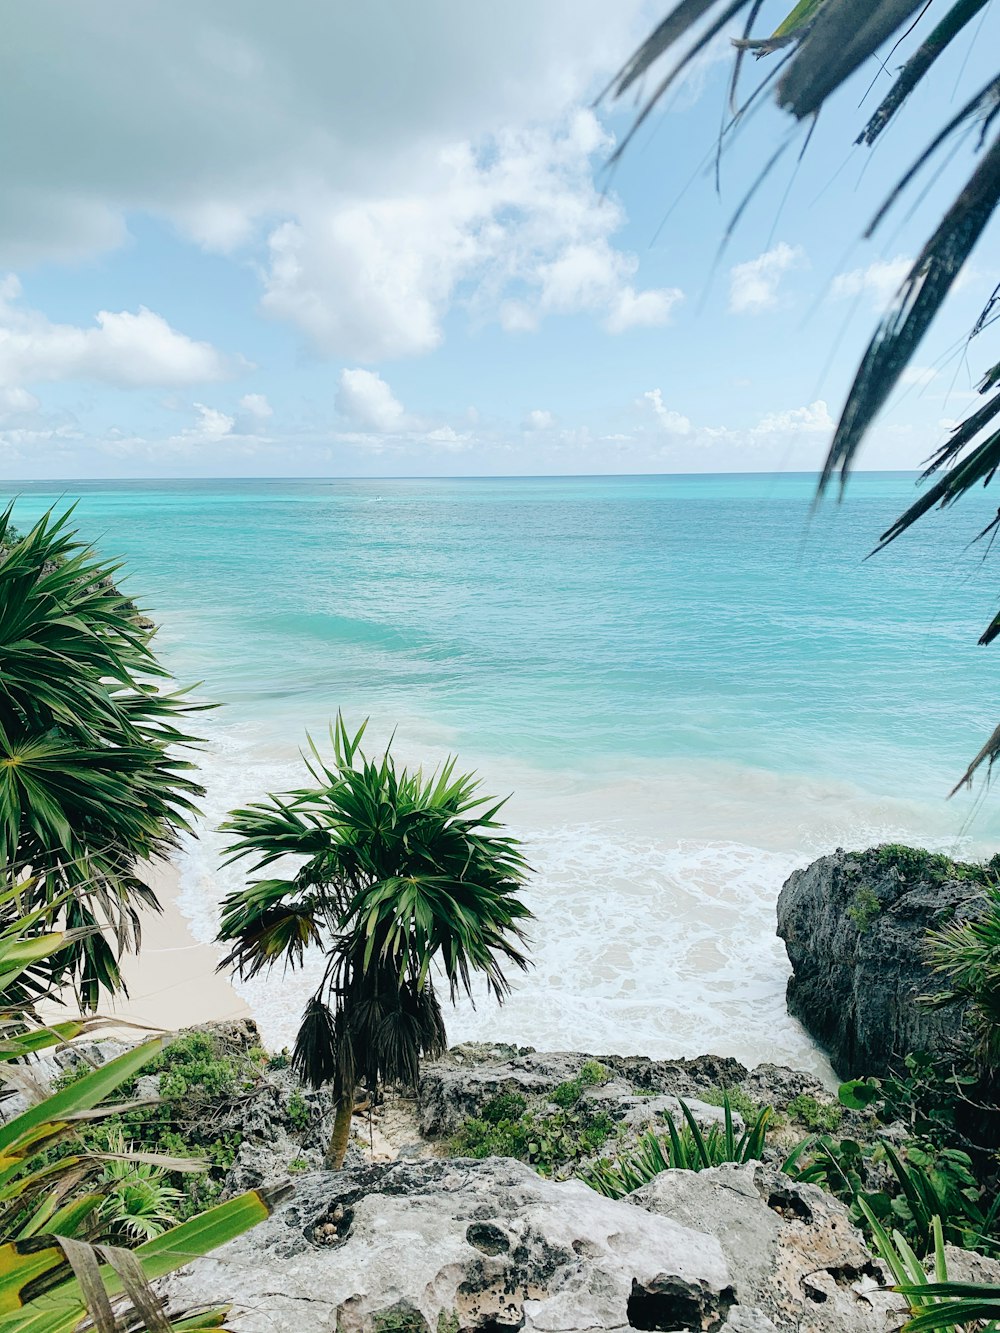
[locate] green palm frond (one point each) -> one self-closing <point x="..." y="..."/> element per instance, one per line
<point x="91" y="783"/>
<point x="396" y="872"/>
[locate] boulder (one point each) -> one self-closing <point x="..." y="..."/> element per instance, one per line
<point x="462" y="1245"/>
<point x="794" y="1257"/>
<point x="854" y="925"/>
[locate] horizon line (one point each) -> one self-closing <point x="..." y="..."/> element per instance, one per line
<point x="459" y="476"/>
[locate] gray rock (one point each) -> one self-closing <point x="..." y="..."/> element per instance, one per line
<point x="271" y="1141"/>
<point x="744" y="1320"/>
<point x="462" y="1082"/>
<point x="488" y="1245"/>
<point x="854" y="929"/>
<point x="793" y="1254"/>
<point x="969" y="1266"/>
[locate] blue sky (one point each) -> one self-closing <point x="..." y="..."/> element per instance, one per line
<point x="242" y="239"/>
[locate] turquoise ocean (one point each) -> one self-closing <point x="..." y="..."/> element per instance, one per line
<point x="690" y="684"/>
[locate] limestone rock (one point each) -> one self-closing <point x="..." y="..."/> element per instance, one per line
<point x="854" y="928"/>
<point x="483" y="1245"/>
<point x="460" y="1084"/>
<point x="793" y="1255"/>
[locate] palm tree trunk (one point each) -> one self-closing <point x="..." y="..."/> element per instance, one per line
<point x="339" y="1139"/>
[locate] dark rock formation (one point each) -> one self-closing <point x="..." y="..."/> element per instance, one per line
<point x="854" y="925"/>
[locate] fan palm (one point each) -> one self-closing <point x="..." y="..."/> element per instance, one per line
<point x="820" y="44"/>
<point x="91" y="785"/>
<point x="398" y="872"/>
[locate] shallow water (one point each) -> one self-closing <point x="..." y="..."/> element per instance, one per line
<point x="690" y="684"/>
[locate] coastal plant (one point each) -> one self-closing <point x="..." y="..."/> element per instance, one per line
<point x="934" y="1301"/>
<point x="814" y="51"/>
<point x="967" y="953"/>
<point x="202" y="1082"/>
<point x="398" y="876"/>
<point x="906" y="1188"/>
<point x="58" y="1270"/>
<point x="548" y="1141"/>
<point x="139" y="1202"/>
<point x="92" y="782"/>
<point x="687" y="1149"/>
<point x="822" y="1117"/>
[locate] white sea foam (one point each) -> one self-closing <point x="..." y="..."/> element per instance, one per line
<point x="652" y="933"/>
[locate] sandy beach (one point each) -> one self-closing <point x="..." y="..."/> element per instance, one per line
<point x="173" y="983"/>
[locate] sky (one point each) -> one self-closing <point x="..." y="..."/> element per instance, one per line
<point x="313" y="239"/>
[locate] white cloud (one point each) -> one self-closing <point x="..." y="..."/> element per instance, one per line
<point x="538" y="419"/>
<point x="15" y="401"/>
<point x="880" y="280"/>
<point x="446" y="437"/>
<point x="674" y="423"/>
<point x="796" y="421"/>
<point x="365" y="398"/>
<point x="753" y="286"/>
<point x="211" y="426"/>
<point x="125" y="349"/>
<point x="374" y="277"/>
<point x="464" y="185"/>
<point x="244" y="105"/>
<point x="256" y="405"/>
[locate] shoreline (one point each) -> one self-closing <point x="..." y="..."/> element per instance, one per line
<point x="172" y="982"/>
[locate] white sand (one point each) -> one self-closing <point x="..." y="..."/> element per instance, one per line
<point x="173" y="983"/>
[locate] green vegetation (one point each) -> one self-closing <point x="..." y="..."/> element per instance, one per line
<point x="299" y="1115"/>
<point x="201" y="1083"/>
<point x="914" y="864"/>
<point x="57" y="1190"/>
<point x="865" y="908"/>
<point x="687" y="1149"/>
<point x="548" y="1141"/>
<point x="398" y="871"/>
<point x="822" y="1117"/>
<point x="741" y="1102"/>
<point x="967" y="953"/>
<point x="592" y="1074"/>
<point x="91" y="785"/>
<point x="504" y="1106"/>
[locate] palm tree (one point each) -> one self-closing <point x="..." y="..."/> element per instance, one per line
<point x="91" y="784"/>
<point x="819" y="45"/>
<point x="398" y="873"/>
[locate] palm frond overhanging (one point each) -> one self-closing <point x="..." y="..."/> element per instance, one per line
<point x="91" y="784"/>
<point x="399" y="872"/>
<point x="818" y="46"/>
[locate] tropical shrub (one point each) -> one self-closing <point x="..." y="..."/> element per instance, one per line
<point x="551" y="1142"/>
<point x="906" y="1189"/>
<point x="968" y="954"/>
<point x="202" y="1083"/>
<point x="398" y="874"/>
<point x="935" y="1302"/>
<point x="687" y="1149"/>
<point x="91" y="782"/>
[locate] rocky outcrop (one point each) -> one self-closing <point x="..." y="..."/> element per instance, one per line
<point x="636" y="1092"/>
<point x="792" y="1253"/>
<point x="854" y="925"/>
<point x="491" y="1246"/>
<point x="477" y="1245"/>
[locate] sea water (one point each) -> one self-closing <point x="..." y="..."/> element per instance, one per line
<point x="691" y="685"/>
